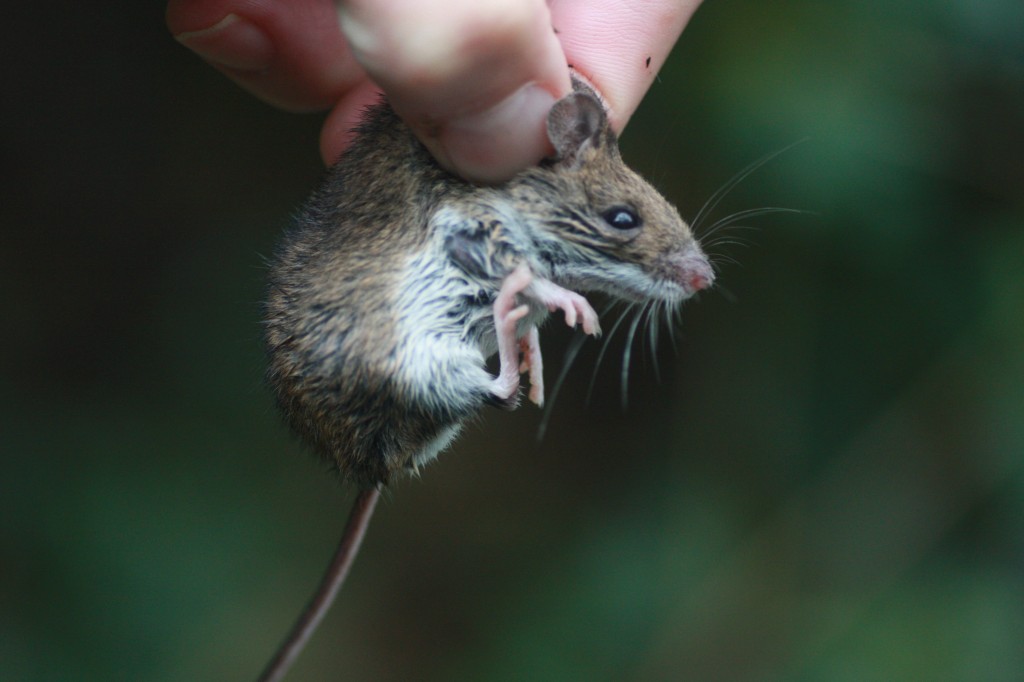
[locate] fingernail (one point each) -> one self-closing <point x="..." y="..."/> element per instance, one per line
<point x="493" y="145"/>
<point x="232" y="43"/>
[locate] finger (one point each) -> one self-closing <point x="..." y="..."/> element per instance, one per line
<point x="288" y="53"/>
<point x="473" y="79"/>
<point x="620" y="46"/>
<point x="337" y="132"/>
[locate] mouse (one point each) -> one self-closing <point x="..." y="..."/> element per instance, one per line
<point x="399" y="280"/>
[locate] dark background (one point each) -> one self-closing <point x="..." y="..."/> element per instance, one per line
<point x="823" y="478"/>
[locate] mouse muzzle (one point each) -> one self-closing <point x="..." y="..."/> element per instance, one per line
<point x="690" y="269"/>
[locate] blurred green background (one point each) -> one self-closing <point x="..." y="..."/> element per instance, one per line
<point x="823" y="479"/>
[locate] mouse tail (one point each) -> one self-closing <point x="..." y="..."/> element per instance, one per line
<point x="302" y="631"/>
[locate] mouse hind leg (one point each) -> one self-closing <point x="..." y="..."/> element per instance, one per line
<point x="534" y="364"/>
<point x="507" y="315"/>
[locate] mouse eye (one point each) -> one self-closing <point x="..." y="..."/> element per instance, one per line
<point x="621" y="218"/>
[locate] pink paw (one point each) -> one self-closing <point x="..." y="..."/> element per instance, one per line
<point x="575" y="306"/>
<point x="506" y="320"/>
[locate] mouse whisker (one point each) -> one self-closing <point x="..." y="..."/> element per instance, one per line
<point x="670" y="322"/>
<point x="723" y="240"/>
<point x="571" y="353"/>
<point x="729" y="233"/>
<point x="716" y="257"/>
<point x="652" y="336"/>
<point x="731" y="184"/>
<point x="730" y="220"/>
<point x="627" y="354"/>
<point x="664" y="311"/>
<point x="604" y="348"/>
<point x="726" y="231"/>
<point x="723" y="232"/>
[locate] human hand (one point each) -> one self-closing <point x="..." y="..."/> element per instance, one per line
<point x="474" y="79"/>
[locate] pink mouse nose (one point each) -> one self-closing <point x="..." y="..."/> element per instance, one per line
<point x="698" y="281"/>
<point x="690" y="269"/>
<point x="697" y="272"/>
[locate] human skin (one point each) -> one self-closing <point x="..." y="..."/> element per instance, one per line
<point x="473" y="79"/>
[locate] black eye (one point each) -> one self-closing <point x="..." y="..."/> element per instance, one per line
<point x="621" y="218"/>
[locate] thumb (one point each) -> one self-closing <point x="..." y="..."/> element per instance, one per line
<point x="474" y="80"/>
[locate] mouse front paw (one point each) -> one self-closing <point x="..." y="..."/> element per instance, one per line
<point x="577" y="309"/>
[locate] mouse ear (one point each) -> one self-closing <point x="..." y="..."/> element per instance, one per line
<point x="575" y="123"/>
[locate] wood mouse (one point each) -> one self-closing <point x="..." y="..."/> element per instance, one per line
<point x="399" y="280"/>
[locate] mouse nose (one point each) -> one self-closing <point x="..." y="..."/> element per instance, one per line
<point x="696" y="272"/>
<point x="690" y="269"/>
<point x="699" y="280"/>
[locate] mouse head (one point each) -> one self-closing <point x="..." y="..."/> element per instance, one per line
<point x="600" y="225"/>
